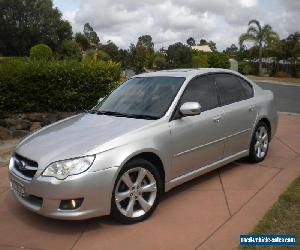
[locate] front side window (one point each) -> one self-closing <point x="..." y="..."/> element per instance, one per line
<point x="202" y="90"/>
<point x="141" y="97"/>
<point x="230" y="89"/>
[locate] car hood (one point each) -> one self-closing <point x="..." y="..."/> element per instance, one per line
<point x="75" y="137"/>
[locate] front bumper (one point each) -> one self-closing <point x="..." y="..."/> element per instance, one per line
<point x="44" y="194"/>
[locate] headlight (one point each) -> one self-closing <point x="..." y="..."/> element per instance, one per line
<point x="62" y="169"/>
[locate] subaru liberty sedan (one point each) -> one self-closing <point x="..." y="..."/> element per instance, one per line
<point x="154" y="132"/>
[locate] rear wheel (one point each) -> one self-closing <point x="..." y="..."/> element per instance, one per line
<point x="260" y="142"/>
<point x="136" y="192"/>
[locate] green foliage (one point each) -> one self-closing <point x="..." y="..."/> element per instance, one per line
<point x="41" y="52"/>
<point x="179" y="55"/>
<point x="82" y="41"/>
<point x="191" y="41"/>
<point x="142" y="54"/>
<point x="90" y="34"/>
<point x="112" y="50"/>
<point x="69" y="50"/>
<point x="102" y="55"/>
<point x="26" y="23"/>
<point x="232" y="51"/>
<point x="218" y="60"/>
<point x="55" y="86"/>
<point x="160" y="61"/>
<point x="245" y="68"/>
<point x="199" y="61"/>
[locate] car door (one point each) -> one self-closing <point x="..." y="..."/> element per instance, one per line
<point x="238" y="112"/>
<point x="197" y="140"/>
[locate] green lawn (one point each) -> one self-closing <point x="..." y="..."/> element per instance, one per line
<point x="283" y="217"/>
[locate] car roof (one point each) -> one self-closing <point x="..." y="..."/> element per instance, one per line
<point x="188" y="73"/>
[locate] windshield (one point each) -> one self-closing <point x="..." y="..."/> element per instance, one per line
<point x="141" y="97"/>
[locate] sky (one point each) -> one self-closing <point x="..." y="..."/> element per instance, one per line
<point x="170" y="21"/>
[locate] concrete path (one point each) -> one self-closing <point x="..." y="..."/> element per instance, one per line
<point x="209" y="212"/>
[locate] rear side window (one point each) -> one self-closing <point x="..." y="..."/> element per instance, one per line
<point x="202" y="90"/>
<point x="232" y="89"/>
<point x="248" y="90"/>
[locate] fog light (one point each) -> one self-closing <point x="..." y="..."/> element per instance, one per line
<point x="70" y="204"/>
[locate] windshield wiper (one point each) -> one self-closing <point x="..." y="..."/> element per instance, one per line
<point x="91" y="111"/>
<point x="145" y="117"/>
<point x="111" y="113"/>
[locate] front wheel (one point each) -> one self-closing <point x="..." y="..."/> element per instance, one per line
<point x="260" y="142"/>
<point x="136" y="192"/>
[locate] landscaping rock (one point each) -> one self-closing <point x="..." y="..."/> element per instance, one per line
<point x="4" y="133"/>
<point x="19" y="133"/>
<point x="35" y="126"/>
<point x="2" y="122"/>
<point x="50" y="118"/>
<point x="17" y="124"/>
<point x="35" y="117"/>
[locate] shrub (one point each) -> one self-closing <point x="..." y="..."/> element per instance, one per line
<point x="69" y="50"/>
<point x="40" y="86"/>
<point x="41" y="52"/>
<point x="199" y="61"/>
<point x="214" y="59"/>
<point x="218" y="60"/>
<point x="245" y="68"/>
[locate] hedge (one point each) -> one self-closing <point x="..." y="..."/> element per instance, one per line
<point x="41" y="52"/>
<point x="215" y="59"/>
<point x="55" y="86"/>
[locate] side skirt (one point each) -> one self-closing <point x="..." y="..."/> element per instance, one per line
<point x="205" y="169"/>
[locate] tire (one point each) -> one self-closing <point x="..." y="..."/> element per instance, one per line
<point x="135" y="199"/>
<point x="259" y="143"/>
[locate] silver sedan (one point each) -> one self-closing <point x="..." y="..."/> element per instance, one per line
<point x="152" y="133"/>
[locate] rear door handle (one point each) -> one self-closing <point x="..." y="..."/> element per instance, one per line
<point x="251" y="108"/>
<point x="217" y="118"/>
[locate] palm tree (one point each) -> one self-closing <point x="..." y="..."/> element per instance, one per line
<point x="261" y="36"/>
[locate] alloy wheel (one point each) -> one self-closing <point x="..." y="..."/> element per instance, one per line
<point x="135" y="192"/>
<point x="262" y="142"/>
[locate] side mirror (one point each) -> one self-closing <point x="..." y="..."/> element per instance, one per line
<point x="100" y="99"/>
<point x="190" y="108"/>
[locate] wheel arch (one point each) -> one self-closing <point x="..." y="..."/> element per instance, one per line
<point x="153" y="158"/>
<point x="267" y="122"/>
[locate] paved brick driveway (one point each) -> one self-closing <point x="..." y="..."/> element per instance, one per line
<point x="207" y="213"/>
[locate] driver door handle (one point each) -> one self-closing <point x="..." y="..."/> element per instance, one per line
<point x="217" y="118"/>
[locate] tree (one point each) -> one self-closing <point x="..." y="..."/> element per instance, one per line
<point x="191" y="41"/>
<point x="160" y="61"/>
<point x="232" y="51"/>
<point x="90" y="34"/>
<point x="261" y="36"/>
<point x="203" y="42"/>
<point x="69" y="50"/>
<point x="211" y="44"/>
<point x="125" y="58"/>
<point x="82" y="41"/>
<point x="26" y="23"/>
<point x="179" y="55"/>
<point x="112" y="50"/>
<point x="142" y="54"/>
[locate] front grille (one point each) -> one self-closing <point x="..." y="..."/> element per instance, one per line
<point x="24" y="167"/>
